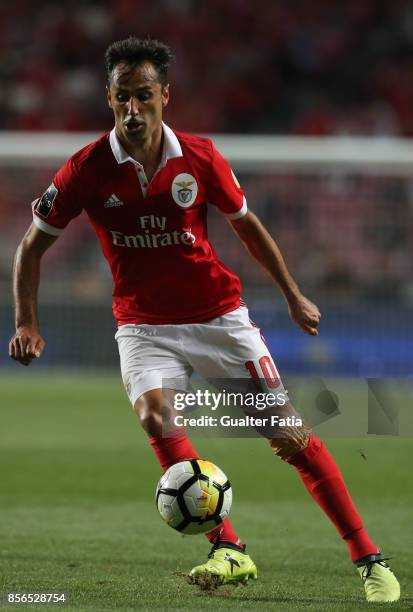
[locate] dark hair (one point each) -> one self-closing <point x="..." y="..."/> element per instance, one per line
<point x="134" y="51"/>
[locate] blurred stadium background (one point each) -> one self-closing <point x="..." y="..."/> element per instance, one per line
<point x="345" y="227"/>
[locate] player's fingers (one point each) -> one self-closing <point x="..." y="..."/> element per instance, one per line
<point x="39" y="346"/>
<point x="314" y="313"/>
<point x="20" y="347"/>
<point x="24" y="343"/>
<point x="12" y="348"/>
<point x="23" y="360"/>
<point x="34" y="348"/>
<point x="18" y="350"/>
<point x="310" y="329"/>
<point x="308" y="323"/>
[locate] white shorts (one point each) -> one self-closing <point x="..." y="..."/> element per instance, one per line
<point x="227" y="347"/>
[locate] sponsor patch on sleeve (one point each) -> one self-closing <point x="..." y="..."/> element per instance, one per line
<point x="45" y="204"/>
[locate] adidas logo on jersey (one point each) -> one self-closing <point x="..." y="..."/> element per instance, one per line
<point x="113" y="201"/>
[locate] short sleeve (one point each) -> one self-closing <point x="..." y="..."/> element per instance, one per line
<point x="224" y="190"/>
<point x="61" y="202"/>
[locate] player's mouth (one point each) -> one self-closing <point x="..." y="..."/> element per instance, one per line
<point x="133" y="126"/>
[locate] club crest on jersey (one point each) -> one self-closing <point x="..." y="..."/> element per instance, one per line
<point x="45" y="204"/>
<point x="184" y="189"/>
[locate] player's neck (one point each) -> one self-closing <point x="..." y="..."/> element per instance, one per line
<point x="148" y="153"/>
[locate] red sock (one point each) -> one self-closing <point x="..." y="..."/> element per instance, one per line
<point x="322" y="477"/>
<point x="174" y="449"/>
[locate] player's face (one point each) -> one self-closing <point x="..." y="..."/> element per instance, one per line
<point x="137" y="99"/>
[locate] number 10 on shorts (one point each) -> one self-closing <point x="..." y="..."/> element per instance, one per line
<point x="266" y="369"/>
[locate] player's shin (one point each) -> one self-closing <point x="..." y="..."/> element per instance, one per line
<point x="324" y="481"/>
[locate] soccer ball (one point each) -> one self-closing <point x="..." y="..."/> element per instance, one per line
<point x="194" y="496"/>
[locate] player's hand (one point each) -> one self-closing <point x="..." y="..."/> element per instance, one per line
<point x="26" y="345"/>
<point x="305" y="314"/>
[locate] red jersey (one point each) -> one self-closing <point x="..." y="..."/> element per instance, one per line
<point x="153" y="234"/>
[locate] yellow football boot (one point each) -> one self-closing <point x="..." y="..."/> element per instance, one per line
<point x="380" y="584"/>
<point x="227" y="563"/>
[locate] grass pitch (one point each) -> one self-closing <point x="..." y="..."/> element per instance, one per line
<point x="77" y="512"/>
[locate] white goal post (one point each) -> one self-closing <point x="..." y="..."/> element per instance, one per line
<point x="247" y="153"/>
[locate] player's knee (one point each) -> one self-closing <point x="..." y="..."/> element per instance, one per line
<point x="291" y="441"/>
<point x="149" y="410"/>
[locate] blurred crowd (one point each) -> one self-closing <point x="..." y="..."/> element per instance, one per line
<point x="346" y="237"/>
<point x="273" y="66"/>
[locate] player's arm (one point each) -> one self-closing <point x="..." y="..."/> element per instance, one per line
<point x="264" y="249"/>
<point x="27" y="343"/>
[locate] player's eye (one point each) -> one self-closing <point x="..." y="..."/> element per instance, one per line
<point x="121" y="97"/>
<point x="145" y="96"/>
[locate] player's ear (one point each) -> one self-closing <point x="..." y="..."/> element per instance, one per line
<point x="108" y="96"/>
<point x="165" y="95"/>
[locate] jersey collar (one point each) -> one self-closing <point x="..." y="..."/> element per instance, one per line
<point x="171" y="147"/>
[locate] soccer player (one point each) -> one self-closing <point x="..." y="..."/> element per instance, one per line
<point x="146" y="189"/>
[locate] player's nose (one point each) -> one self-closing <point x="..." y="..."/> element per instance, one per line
<point x="133" y="106"/>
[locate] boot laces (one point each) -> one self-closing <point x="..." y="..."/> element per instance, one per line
<point x="369" y="567"/>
